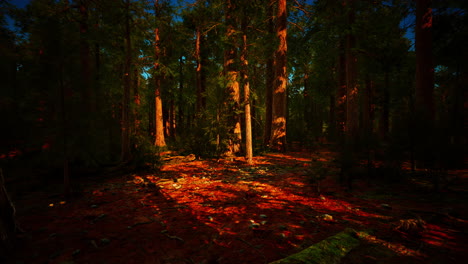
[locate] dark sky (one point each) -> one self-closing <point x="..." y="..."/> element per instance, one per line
<point x="20" y="3"/>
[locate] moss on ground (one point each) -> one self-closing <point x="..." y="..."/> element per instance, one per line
<point x="328" y="251"/>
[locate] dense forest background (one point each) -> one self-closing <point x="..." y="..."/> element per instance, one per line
<point x="92" y="83"/>
<point x="233" y="131"/>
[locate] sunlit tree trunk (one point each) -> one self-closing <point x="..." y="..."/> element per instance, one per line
<point x="270" y="77"/>
<point x="159" y="140"/>
<point x="231" y="72"/>
<point x="246" y="84"/>
<point x="125" y="126"/>
<point x="278" y="127"/>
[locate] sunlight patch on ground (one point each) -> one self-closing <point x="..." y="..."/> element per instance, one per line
<point x="396" y="247"/>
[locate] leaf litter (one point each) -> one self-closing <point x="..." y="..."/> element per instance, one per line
<point x="207" y="211"/>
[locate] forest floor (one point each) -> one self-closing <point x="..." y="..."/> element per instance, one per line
<point x="223" y="211"/>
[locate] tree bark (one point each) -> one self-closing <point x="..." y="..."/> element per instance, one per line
<point x="159" y="140"/>
<point x="85" y="60"/>
<point x="232" y="88"/>
<point x="424" y="64"/>
<point x="341" y="94"/>
<point x="385" y="114"/>
<point x="278" y="127"/>
<point x="246" y="84"/>
<point x="270" y="77"/>
<point x="201" y="77"/>
<point x="180" y="117"/>
<point x="352" y="89"/>
<point x="125" y="126"/>
<point x="427" y="154"/>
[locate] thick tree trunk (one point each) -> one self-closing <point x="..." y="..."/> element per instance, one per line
<point x="232" y="88"/>
<point x="278" y="127"/>
<point x="270" y="77"/>
<point x="424" y="65"/>
<point x="341" y="94"/>
<point x="246" y="84"/>
<point x="352" y="90"/>
<point x="351" y="128"/>
<point x="85" y="57"/>
<point x="424" y="101"/>
<point x="159" y="140"/>
<point x="125" y="126"/>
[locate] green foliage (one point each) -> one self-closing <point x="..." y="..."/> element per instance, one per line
<point x="146" y="155"/>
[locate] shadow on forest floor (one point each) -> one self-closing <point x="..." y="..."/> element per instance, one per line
<point x="223" y="211"/>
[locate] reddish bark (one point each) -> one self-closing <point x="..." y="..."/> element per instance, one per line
<point x="246" y="84"/>
<point x="159" y="140"/>
<point x="278" y="127"/>
<point x="270" y="77"/>
<point x="232" y="87"/>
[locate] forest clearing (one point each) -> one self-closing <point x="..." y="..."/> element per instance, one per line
<point x="223" y="211"/>
<point x="233" y="131"/>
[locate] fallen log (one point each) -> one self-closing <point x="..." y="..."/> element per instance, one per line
<point x="328" y="251"/>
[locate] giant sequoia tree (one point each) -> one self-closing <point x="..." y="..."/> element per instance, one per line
<point x="198" y="68"/>
<point x="278" y="127"/>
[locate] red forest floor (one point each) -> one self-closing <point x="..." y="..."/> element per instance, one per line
<point x="223" y="211"/>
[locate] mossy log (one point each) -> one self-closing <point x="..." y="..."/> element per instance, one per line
<point x="328" y="251"/>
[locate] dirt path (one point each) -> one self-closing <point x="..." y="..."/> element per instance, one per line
<point x="219" y="211"/>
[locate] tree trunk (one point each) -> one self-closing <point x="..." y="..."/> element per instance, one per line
<point x="136" y="101"/>
<point x="424" y="65"/>
<point x="180" y="117"/>
<point x="332" y="119"/>
<point x="367" y="111"/>
<point x="424" y="101"/>
<point x="159" y="140"/>
<point x="232" y="88"/>
<point x="278" y="127"/>
<point x="270" y="77"/>
<point x="85" y="57"/>
<point x="341" y="94"/>
<point x="125" y="127"/>
<point x="385" y="115"/>
<point x="352" y="109"/>
<point x="246" y="83"/>
<point x="201" y="78"/>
